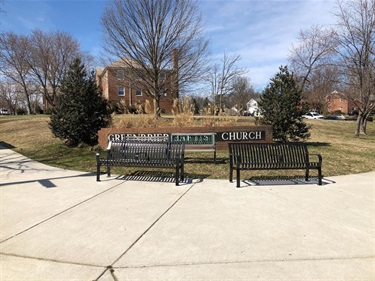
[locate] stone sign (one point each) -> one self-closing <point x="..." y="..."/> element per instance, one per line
<point x="204" y="135"/>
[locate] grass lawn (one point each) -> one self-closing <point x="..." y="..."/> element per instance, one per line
<point x="334" y="140"/>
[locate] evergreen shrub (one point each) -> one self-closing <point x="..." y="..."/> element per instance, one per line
<point x="81" y="111"/>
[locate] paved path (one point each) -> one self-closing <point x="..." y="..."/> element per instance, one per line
<point x="63" y="225"/>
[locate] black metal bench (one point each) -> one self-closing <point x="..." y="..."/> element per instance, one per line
<point x="141" y="153"/>
<point x="271" y="156"/>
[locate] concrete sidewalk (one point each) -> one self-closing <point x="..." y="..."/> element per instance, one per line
<point x="63" y="225"/>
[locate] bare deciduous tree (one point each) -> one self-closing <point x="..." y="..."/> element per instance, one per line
<point x="311" y="57"/>
<point x="221" y="75"/>
<point x="241" y="92"/>
<point x="154" y="37"/>
<point x="356" y="33"/>
<point x="8" y="95"/>
<point x="51" y="55"/>
<point x="322" y="82"/>
<point x="14" y="52"/>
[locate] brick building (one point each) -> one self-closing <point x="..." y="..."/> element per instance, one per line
<point x="336" y="101"/>
<point x="117" y="87"/>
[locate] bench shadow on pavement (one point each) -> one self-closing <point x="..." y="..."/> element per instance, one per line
<point x="282" y="180"/>
<point x="160" y="176"/>
<point x="318" y="144"/>
<point x="5" y="145"/>
<point x="46" y="182"/>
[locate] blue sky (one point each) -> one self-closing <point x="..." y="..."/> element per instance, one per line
<point x="261" y="32"/>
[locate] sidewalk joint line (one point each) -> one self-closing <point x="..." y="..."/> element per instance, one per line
<point x="244" y="261"/>
<point x="157" y="220"/>
<point x="51" y="260"/>
<point x="111" y="267"/>
<point x="64" y="211"/>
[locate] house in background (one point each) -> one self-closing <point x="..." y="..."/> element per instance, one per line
<point x="336" y="101"/>
<point x="117" y="87"/>
<point x="252" y="107"/>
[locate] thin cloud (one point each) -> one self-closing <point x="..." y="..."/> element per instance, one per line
<point x="261" y="32"/>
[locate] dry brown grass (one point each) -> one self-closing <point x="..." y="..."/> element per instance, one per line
<point x="182" y="116"/>
<point x="26" y="131"/>
<point x="342" y="152"/>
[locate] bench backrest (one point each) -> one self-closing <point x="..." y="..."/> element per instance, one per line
<point x="268" y="155"/>
<point x="145" y="150"/>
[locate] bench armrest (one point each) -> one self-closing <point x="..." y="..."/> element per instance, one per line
<point x="230" y="159"/>
<point x="109" y="145"/>
<point x="319" y="158"/>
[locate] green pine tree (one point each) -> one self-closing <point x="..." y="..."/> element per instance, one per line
<point x="81" y="111"/>
<point x="280" y="106"/>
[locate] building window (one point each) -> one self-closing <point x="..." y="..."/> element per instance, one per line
<point x="120" y="74"/>
<point x="138" y="93"/>
<point x="340" y="99"/>
<point x="121" y="91"/>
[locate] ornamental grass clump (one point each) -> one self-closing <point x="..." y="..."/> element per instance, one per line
<point x="135" y="121"/>
<point x="183" y="113"/>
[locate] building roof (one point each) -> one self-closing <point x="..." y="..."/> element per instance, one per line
<point x="99" y="71"/>
<point x="335" y="93"/>
<point x="124" y="62"/>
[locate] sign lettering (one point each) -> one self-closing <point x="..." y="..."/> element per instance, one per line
<point x="195" y="138"/>
<point x="241" y="136"/>
<point x="122" y="137"/>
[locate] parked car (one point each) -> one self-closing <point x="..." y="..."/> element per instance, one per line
<point x="4" y="111"/>
<point x="313" y="115"/>
<point x="353" y="112"/>
<point x="355" y="117"/>
<point x="335" y="117"/>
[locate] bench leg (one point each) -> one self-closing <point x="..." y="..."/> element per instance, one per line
<point x="182" y="173"/>
<point x="238" y="176"/>
<point x="320" y="176"/>
<point x="97" y="167"/>
<point x="98" y="173"/>
<point x="108" y="171"/>
<point x="177" y="175"/>
<point x="230" y="174"/>
<point x="307" y="174"/>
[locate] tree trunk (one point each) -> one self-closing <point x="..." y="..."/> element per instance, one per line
<point x="28" y="103"/>
<point x="364" y="123"/>
<point x="364" y="126"/>
<point x="157" y="109"/>
<point x="358" y="125"/>
<point x="27" y="96"/>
